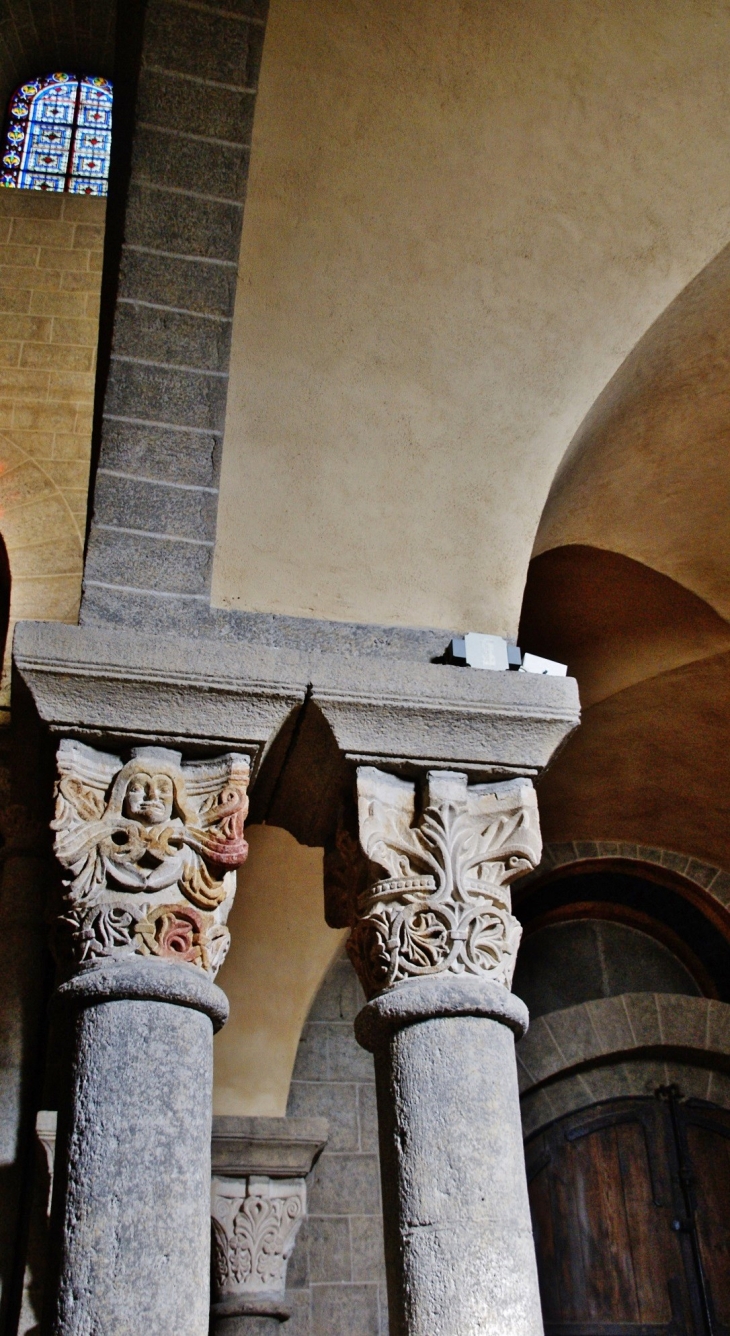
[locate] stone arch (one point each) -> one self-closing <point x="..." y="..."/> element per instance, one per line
<point x="705" y="884"/>
<point x="624" y="1045"/>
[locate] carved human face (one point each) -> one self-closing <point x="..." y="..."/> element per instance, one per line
<point x="149" y="799"/>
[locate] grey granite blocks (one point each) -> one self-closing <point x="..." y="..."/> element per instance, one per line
<point x="186" y="284"/>
<point x="161" y="454"/>
<point x="337" y="1272"/>
<point x="181" y="567"/>
<point x="154" y="335"/>
<point x="206" y="42"/>
<point x="170" y="347"/>
<point x="187" y="512"/>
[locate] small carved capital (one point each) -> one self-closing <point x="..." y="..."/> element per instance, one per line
<point x="255" y="1222"/>
<point x="150" y="848"/>
<point x="437" y="898"/>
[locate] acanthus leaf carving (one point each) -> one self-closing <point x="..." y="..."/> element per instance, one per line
<point x="444" y="903"/>
<point x="150" y="847"/>
<point x="255" y="1222"/>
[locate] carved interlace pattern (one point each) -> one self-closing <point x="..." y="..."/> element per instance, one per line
<point x="444" y="904"/>
<point x="150" y="849"/>
<point x="255" y="1223"/>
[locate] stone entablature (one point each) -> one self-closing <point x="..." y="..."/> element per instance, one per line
<point x="150" y="847"/>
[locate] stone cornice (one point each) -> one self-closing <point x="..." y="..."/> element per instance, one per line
<point x="400" y="714"/>
<point x="102" y="684"/>
<point x="277" y="1147"/>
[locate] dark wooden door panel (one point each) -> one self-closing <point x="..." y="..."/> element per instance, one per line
<point x="707" y="1142"/>
<point x="609" y="1260"/>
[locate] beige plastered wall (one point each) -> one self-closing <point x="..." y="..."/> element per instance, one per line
<point x="281" y="949"/>
<point x="50" y="274"/>
<point x="461" y="218"/>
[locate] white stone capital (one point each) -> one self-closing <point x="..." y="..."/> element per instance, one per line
<point x="255" y="1223"/>
<point x="435" y="896"/>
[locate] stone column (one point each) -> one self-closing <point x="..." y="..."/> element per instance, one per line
<point x="258" y="1202"/>
<point x="434" y="943"/>
<point x="150" y="848"/>
<point x="24" y="982"/>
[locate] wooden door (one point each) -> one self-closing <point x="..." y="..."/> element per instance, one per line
<point x="702" y="1167"/>
<point x="631" y="1216"/>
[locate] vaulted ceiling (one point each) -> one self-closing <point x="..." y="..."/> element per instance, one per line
<point x="630" y="585"/>
<point x="39" y="36"/>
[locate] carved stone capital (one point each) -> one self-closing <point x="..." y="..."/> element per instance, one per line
<point x="255" y="1222"/>
<point x="150" y="847"/>
<point x="434" y="896"/>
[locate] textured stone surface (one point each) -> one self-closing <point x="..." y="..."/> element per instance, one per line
<point x="459" y="1245"/>
<point x="131" y="1213"/>
<point x="636" y="1076"/>
<point x="50" y="273"/>
<point x="246" y="1325"/>
<point x="171" y="332"/>
<point x="632" y="1025"/>
<point x="435" y="998"/>
<point x="336" y="1276"/>
<point x="140" y="979"/>
<point x="705" y="876"/>
<point x="278" y="1147"/>
<point x="394" y="710"/>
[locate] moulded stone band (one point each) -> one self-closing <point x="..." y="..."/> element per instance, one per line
<point x="141" y="980"/>
<point x="436" y="997"/>
<point x="251" y="1305"/>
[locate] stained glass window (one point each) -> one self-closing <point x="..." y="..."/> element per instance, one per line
<point x="59" y="135"/>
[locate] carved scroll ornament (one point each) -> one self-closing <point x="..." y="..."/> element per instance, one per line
<point x="444" y="903"/>
<point x="255" y="1223"/>
<point x="150" y="848"/>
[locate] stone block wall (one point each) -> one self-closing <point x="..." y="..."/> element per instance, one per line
<point x="336" y="1277"/>
<point x="156" y="490"/>
<point x="50" y="273"/>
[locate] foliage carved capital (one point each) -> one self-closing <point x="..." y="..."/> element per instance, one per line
<point x="150" y="848"/>
<point x="435" y="897"/>
<point x="255" y="1221"/>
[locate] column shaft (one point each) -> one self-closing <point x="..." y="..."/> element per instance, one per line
<point x="23" y="995"/>
<point x="246" y="1324"/>
<point x="130" y="1217"/>
<point x="458" y="1236"/>
<point x="434" y="942"/>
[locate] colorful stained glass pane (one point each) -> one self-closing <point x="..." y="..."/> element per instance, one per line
<point x="59" y="135"/>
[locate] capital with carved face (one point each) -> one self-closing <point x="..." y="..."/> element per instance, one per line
<point x="150" y="847"/>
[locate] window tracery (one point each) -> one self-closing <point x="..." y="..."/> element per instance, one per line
<point x="59" y="135"/>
